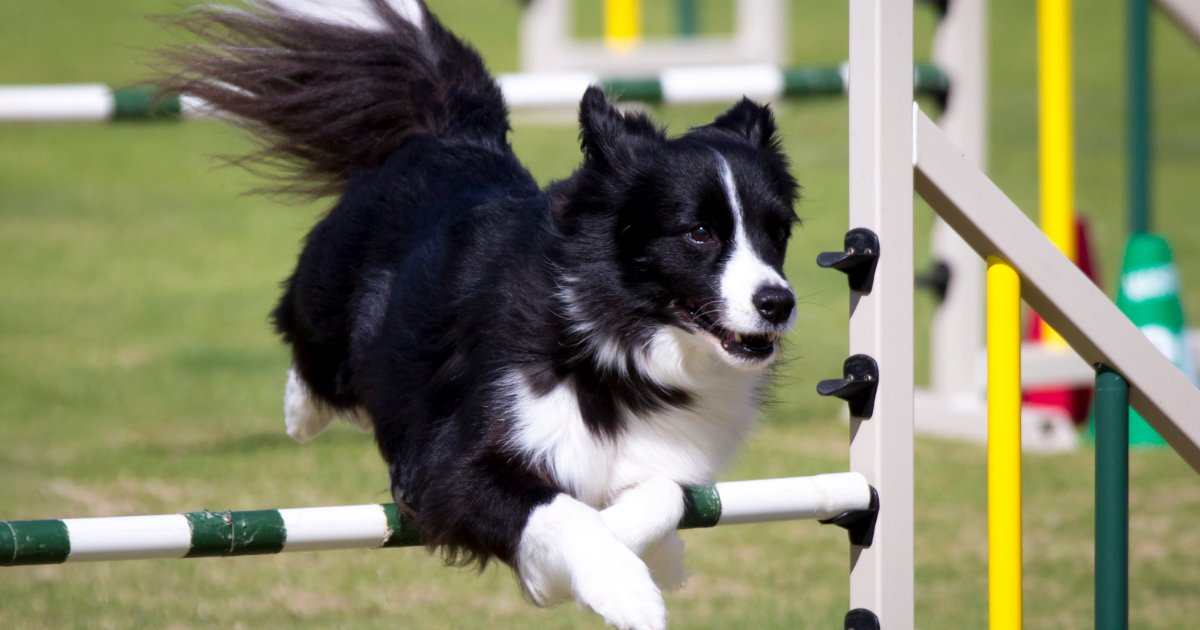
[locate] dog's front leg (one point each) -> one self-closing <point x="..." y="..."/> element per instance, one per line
<point x="567" y="552"/>
<point x="644" y="518"/>
<point x="644" y="513"/>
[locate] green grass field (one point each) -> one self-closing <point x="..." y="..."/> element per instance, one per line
<point x="138" y="373"/>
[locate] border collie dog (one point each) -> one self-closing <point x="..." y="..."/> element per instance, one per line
<point x="543" y="368"/>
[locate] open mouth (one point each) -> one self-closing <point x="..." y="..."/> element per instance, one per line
<point x="752" y="347"/>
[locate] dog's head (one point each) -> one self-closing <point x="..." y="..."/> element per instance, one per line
<point x="690" y="232"/>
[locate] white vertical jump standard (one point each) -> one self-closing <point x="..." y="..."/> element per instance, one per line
<point x="881" y="324"/>
<point x="960" y="48"/>
<point x="955" y="406"/>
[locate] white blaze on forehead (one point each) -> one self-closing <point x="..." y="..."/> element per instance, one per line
<point x="745" y="272"/>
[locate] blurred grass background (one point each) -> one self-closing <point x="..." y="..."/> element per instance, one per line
<point x="138" y="373"/>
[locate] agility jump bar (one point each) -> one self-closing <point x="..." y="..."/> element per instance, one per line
<point x="712" y="84"/>
<point x="844" y="499"/>
<point x="530" y="90"/>
<point x="94" y="102"/>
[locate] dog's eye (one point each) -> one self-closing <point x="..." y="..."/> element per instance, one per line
<point x="700" y="234"/>
<point x="779" y="234"/>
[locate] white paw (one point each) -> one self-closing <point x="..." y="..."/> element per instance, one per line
<point x="664" y="558"/>
<point x="566" y="552"/>
<point x="305" y="417"/>
<point x="645" y="513"/>
<point x="618" y="587"/>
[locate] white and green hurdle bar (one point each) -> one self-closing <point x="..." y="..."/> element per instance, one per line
<point x="530" y="90"/>
<point x="843" y="499"/>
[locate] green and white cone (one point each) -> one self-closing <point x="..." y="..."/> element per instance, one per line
<point x="1149" y="296"/>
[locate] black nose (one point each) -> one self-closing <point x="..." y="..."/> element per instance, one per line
<point x="775" y="304"/>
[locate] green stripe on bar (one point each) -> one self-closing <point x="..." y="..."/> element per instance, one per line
<point x="8" y="545"/>
<point x="928" y="79"/>
<point x="258" y="532"/>
<point x="248" y="533"/>
<point x="212" y="534"/>
<point x="402" y="530"/>
<point x="142" y="102"/>
<point x="644" y="89"/>
<point x="37" y="542"/>
<point x="701" y="507"/>
<point x="813" y="80"/>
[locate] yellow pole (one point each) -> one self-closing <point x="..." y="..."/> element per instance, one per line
<point x="622" y="23"/>
<point x="1057" y="158"/>
<point x="1004" y="445"/>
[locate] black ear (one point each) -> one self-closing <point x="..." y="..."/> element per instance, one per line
<point x="607" y="135"/>
<point x="750" y="121"/>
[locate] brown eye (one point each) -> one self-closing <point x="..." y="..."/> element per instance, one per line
<point x="779" y="234"/>
<point x="700" y="234"/>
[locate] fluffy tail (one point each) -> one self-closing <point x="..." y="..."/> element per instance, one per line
<point x="327" y="87"/>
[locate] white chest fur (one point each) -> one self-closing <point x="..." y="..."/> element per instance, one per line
<point x="687" y="445"/>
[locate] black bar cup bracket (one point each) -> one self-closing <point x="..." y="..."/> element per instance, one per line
<point x="859" y="523"/>
<point x="858" y="261"/>
<point x="861" y="619"/>
<point x="937" y="280"/>
<point x="860" y="380"/>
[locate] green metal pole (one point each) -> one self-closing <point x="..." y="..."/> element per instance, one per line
<point x="1138" y="19"/>
<point x="687" y="17"/>
<point x="1112" y="500"/>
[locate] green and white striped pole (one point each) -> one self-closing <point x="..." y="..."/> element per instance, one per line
<point x="254" y="532"/>
<point x="715" y="84"/>
<point x="720" y="84"/>
<point x="90" y="102"/>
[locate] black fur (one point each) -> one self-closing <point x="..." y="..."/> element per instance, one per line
<point x="440" y="271"/>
